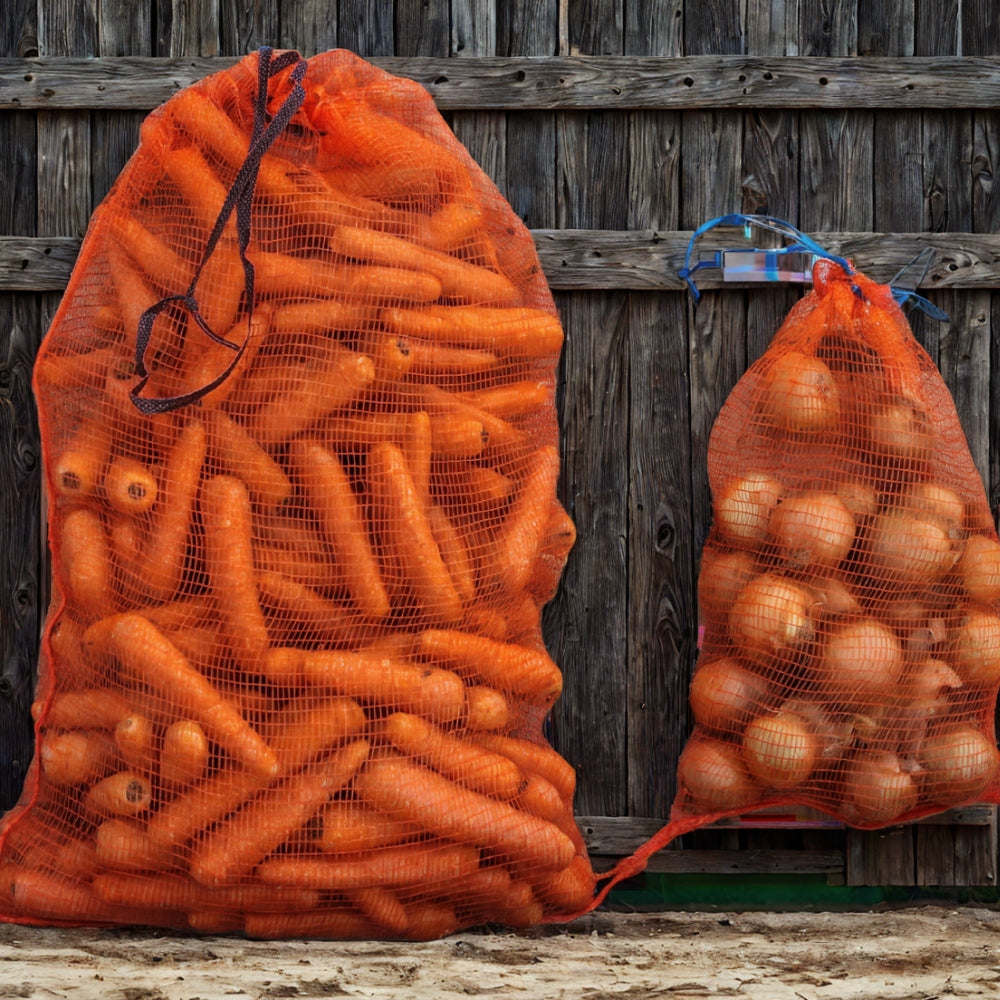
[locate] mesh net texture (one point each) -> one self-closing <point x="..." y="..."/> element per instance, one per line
<point x="292" y="680"/>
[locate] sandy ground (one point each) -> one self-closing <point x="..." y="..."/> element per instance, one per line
<point x="927" y="953"/>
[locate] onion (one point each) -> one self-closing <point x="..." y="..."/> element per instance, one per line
<point x="924" y="689"/>
<point x="715" y="776"/>
<point x="901" y="429"/>
<point x="813" y="528"/>
<point x="938" y="500"/>
<point x="834" y="598"/>
<point x="800" y="393"/>
<point x="724" y="694"/>
<point x="859" y="498"/>
<point x="722" y="576"/>
<point x="957" y="763"/>
<point x="979" y="567"/>
<point x="912" y="548"/>
<point x="833" y="733"/>
<point x="975" y="648"/>
<point x="744" y="508"/>
<point x="780" y="750"/>
<point x="771" y="614"/>
<point x="878" y="789"/>
<point x="861" y="664"/>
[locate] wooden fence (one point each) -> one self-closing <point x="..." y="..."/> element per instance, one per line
<point x="614" y="128"/>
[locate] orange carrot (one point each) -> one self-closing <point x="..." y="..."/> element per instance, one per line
<point x="171" y="524"/>
<point x="324" y="315"/>
<point x="570" y="890"/>
<point x="148" y="655"/>
<point x="459" y="279"/>
<point x="167" y="269"/>
<point x="423" y="864"/>
<point x="484" y="620"/>
<point x="434" y="360"/>
<point x="389" y="355"/>
<point x="541" y="798"/>
<point x="79" y="465"/>
<point x="382" y="907"/>
<point x="482" y="889"/>
<point x="302" y="731"/>
<point x="524" y="532"/>
<point x="519" y="910"/>
<point x="381" y="680"/>
<point x="124" y="793"/>
<point x="335" y="923"/>
<point x="464" y="762"/>
<point x="454" y="433"/>
<point x="91" y="708"/>
<point x="221" y="286"/>
<point x="313" y="566"/>
<point x="512" y="399"/>
<point x="486" y="709"/>
<point x="124" y="844"/>
<point x="226" y="516"/>
<point x="184" y="754"/>
<point x="350" y="826"/>
<point x="130" y="486"/>
<point x="185" y="612"/>
<point x="454" y="553"/>
<point x="232" y="849"/>
<point x="330" y="495"/>
<point x="506" y="666"/>
<point x="134" y="739"/>
<point x="301" y="613"/>
<point x="317" y="393"/>
<point x="399" y="183"/>
<point x="413" y="792"/>
<point x="74" y="756"/>
<point x="199" y="186"/>
<point x="83" y="548"/>
<point x="452" y="224"/>
<point x="431" y="921"/>
<point x="418" y="450"/>
<point x="499" y="433"/>
<point x="516" y="331"/>
<point x="38" y="894"/>
<point x="478" y="489"/>
<point x="413" y="542"/>
<point x="534" y="758"/>
<point x="241" y="456"/>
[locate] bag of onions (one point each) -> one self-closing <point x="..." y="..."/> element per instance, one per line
<point x="849" y="589"/>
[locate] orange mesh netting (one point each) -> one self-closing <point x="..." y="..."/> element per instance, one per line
<point x="849" y="589"/>
<point x="298" y="420"/>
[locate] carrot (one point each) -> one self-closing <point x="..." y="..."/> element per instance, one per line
<point x="382" y="907"/>
<point x="130" y="486"/>
<point x="301" y="613"/>
<point x="124" y="793"/>
<point x="486" y="709"/>
<point x="167" y="269"/>
<point x="309" y="567"/>
<point x="413" y="792"/>
<point x="381" y="680"/>
<point x="302" y="731"/>
<point x="317" y="393"/>
<point x="410" y="535"/>
<point x="79" y="465"/>
<point x="134" y="739"/>
<point x="520" y="910"/>
<point x="86" y="559"/>
<point x="349" y="826"/>
<point x="126" y="539"/>
<point x="124" y="844"/>
<point x="148" y="655"/>
<point x="425" y="865"/>
<point x="157" y="891"/>
<point x="541" y="798"/>
<point x="216" y="359"/>
<point x="534" y="758"/>
<point x="560" y="537"/>
<point x="336" y="923"/>
<point x="512" y="399"/>
<point x="330" y="495"/>
<point x="459" y="279"/>
<point x="239" y="455"/>
<point x="499" y="433"/>
<point x="399" y="183"/>
<point x="478" y="489"/>
<point x="453" y="434"/>
<point x="185" y="612"/>
<point x="225" y="514"/>
<point x="184" y="754"/>
<point x="570" y="890"/>
<point x="484" y="620"/>
<point x="323" y="315"/>
<point x="454" y="553"/>
<point x="198" y="185"/>
<point x="74" y="756"/>
<point x="431" y="921"/>
<point x="221" y="286"/>
<point x="418" y="450"/>
<point x="433" y="360"/>
<point x="466" y="763"/>
<point x="47" y="896"/>
<point x="452" y="224"/>
<point x="516" y="331"/>
<point x="203" y="645"/>
<point x="90" y="708"/>
<point x="134" y="293"/>
<point x="506" y="666"/>
<point x="524" y="532"/>
<point x="389" y="355"/>
<point x="232" y="849"/>
<point x="172" y="513"/>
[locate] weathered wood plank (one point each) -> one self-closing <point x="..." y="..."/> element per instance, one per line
<point x="540" y="82"/>
<point x="185" y="27"/>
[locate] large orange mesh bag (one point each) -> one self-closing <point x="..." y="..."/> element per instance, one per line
<point x="849" y="589"/>
<point x="297" y="410"/>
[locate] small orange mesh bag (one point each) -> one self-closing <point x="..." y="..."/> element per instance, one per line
<point x="298" y="421"/>
<point x="849" y="590"/>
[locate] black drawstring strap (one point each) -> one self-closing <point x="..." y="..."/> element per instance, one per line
<point x="240" y="198"/>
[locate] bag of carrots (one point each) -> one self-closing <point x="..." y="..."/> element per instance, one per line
<point x="298" y="423"/>
<point x="849" y="587"/>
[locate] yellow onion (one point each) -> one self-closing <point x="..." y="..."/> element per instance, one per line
<point x="813" y="528"/>
<point x="901" y="430"/>
<point x="878" y="789"/>
<point x="958" y="763"/>
<point x="912" y="548"/>
<point x="743" y="510"/>
<point x="975" y="648"/>
<point x="771" y="614"/>
<point x="724" y="694"/>
<point x="861" y="663"/>
<point x="800" y="393"/>
<point x="834" y="598"/>
<point x="722" y="576"/>
<point x="979" y="568"/>
<point x="936" y="499"/>
<point x="780" y="750"/>
<point x="859" y="498"/>
<point x="714" y="775"/>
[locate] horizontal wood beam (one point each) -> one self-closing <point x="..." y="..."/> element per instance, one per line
<point x="639" y="260"/>
<point x="523" y="83"/>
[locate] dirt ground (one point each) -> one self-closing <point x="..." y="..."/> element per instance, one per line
<point x="926" y="953"/>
